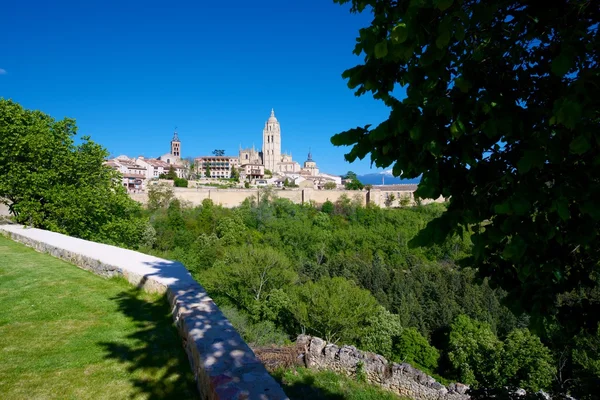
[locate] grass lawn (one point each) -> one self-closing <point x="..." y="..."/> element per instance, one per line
<point x="66" y="333"/>
<point x="304" y="384"/>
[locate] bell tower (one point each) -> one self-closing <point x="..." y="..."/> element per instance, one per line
<point x="271" y="143"/>
<point x="176" y="145"/>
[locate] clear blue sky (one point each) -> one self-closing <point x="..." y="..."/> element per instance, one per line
<point x="130" y="71"/>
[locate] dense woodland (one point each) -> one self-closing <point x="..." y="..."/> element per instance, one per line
<point x="346" y="273"/>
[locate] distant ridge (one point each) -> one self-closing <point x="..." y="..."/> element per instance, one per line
<point x="385" y="178"/>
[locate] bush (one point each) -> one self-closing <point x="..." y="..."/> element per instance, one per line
<point x="329" y="186"/>
<point x="413" y="348"/>
<point x="526" y="362"/>
<point x="52" y="183"/>
<point x="180" y="182"/>
<point x="474" y="352"/>
<point x="328" y="207"/>
<point x="334" y="308"/>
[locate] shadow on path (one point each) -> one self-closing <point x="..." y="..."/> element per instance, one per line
<point x="153" y="353"/>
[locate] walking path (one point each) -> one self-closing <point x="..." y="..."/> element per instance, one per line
<point x="223" y="364"/>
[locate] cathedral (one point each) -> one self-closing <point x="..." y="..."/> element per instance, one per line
<point x="270" y="156"/>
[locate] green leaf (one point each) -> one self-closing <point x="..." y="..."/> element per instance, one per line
<point x="443" y="5"/>
<point x="443" y="40"/>
<point x="457" y="129"/>
<point x="579" y="145"/>
<point x="459" y="34"/>
<point x="520" y="205"/>
<point x="502" y="208"/>
<point x="515" y="249"/>
<point x="562" y="208"/>
<point x="462" y="84"/>
<point x="399" y="33"/>
<point x="381" y="49"/>
<point x="568" y="112"/>
<point x="531" y="158"/>
<point x="562" y="64"/>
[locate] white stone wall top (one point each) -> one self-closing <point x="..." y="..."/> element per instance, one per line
<point x="223" y="364"/>
<point x="164" y="272"/>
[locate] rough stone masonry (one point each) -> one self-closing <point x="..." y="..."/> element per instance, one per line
<point x="402" y="379"/>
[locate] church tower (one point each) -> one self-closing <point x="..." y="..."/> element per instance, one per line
<point x="176" y="146"/>
<point x="271" y="143"/>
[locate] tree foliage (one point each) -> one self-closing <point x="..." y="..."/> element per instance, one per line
<point x="500" y="117"/>
<point x="170" y="174"/>
<point x="526" y="362"/>
<point x="411" y="347"/>
<point x="218" y="153"/>
<point x="474" y="352"/>
<point x="50" y="182"/>
<point x="333" y="308"/>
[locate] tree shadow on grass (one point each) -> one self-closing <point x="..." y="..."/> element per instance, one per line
<point x="154" y="351"/>
<point x="305" y="389"/>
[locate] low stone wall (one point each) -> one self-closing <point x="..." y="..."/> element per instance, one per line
<point x="235" y="197"/>
<point x="401" y="379"/>
<point x="223" y="364"/>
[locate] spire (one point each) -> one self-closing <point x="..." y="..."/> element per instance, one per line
<point x="309" y="155"/>
<point x="175" y="137"/>
<point x="272" y="117"/>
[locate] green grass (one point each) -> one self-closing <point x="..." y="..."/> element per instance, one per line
<point x="302" y="383"/>
<point x="66" y="333"/>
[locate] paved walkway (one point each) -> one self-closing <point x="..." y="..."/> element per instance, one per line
<point x="223" y="364"/>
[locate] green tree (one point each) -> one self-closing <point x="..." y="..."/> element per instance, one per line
<point x="171" y="174"/>
<point x="248" y="274"/>
<point x="218" y="153"/>
<point x="329" y="186"/>
<point x="159" y="196"/>
<point x="474" y="352"/>
<point x="382" y="329"/>
<point x="49" y="182"/>
<point x="334" y="308"/>
<point x="180" y="182"/>
<point x="235" y="174"/>
<point x="411" y="347"/>
<point x="354" y="184"/>
<point x="350" y="176"/>
<point x="526" y="362"/>
<point x="501" y="118"/>
<point x="328" y="207"/>
<point x="389" y="199"/>
<point x="268" y="172"/>
<point x="207" y="173"/>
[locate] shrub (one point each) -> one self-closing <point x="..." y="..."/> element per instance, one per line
<point x="180" y="182"/>
<point x="413" y="348"/>
<point x="526" y="362"/>
<point x="474" y="352"/>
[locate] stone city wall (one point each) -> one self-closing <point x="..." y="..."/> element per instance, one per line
<point x="401" y="379"/>
<point x="235" y="197"/>
<point x="223" y="364"/>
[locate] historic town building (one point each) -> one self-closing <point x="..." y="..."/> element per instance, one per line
<point x="272" y="143"/>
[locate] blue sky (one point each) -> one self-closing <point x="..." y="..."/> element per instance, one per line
<point x="130" y="71"/>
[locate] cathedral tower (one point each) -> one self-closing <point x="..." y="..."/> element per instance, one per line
<point x="176" y="145"/>
<point x="271" y="143"/>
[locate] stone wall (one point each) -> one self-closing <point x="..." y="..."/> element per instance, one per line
<point x="235" y="197"/>
<point x="223" y="364"/>
<point x="401" y="379"/>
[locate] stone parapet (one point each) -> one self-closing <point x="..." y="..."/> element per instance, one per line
<point x="401" y="379"/>
<point x="223" y="364"/>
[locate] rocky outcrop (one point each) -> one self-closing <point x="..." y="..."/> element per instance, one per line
<point x="402" y="379"/>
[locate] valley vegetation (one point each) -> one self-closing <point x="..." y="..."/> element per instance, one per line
<point x="346" y="273"/>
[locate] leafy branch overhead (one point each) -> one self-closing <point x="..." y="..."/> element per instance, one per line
<point x="501" y="116"/>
